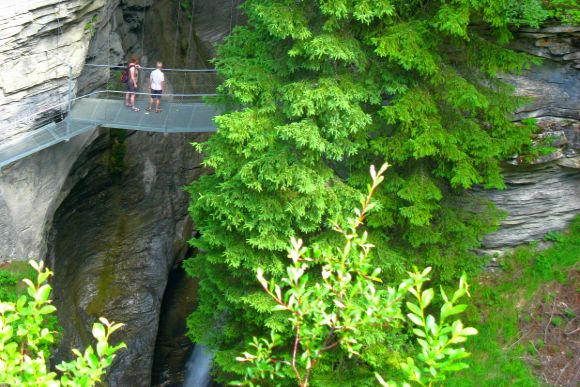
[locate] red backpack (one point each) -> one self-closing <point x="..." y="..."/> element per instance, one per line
<point x="125" y="74"/>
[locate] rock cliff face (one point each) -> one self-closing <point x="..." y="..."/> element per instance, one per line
<point x="544" y="196"/>
<point x="115" y="238"/>
<point x="30" y="192"/>
<point x="37" y="41"/>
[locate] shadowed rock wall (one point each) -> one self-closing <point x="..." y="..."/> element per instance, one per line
<point x="115" y="238"/>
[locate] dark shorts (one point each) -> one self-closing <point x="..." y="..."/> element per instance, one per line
<point x="156" y="94"/>
<point x="131" y="87"/>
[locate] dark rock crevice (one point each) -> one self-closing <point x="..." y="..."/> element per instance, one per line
<point x="114" y="241"/>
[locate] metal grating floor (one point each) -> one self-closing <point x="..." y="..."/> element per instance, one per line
<point x="88" y="113"/>
<point x="174" y="118"/>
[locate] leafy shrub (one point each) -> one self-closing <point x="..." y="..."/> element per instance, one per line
<point x="24" y="340"/>
<point x="347" y="307"/>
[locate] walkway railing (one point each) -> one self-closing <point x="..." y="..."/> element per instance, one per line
<point x="186" y="82"/>
<point x="183" y="96"/>
<point x="182" y="85"/>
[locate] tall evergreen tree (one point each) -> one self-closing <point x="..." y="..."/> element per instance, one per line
<point x="325" y="88"/>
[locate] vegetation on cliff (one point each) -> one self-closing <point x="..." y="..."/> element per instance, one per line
<point x="527" y="317"/>
<point x="25" y="341"/>
<point x="323" y="89"/>
<point x="335" y="300"/>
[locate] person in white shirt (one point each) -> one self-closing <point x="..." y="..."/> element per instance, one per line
<point x="156" y="84"/>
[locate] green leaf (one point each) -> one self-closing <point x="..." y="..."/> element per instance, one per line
<point x="47" y="309"/>
<point x="43" y="293"/>
<point x="98" y="331"/>
<point x="455" y="310"/>
<point x="338" y="303"/>
<point x="455" y="367"/>
<point x="102" y="348"/>
<point x="381" y="380"/>
<point x="469" y="331"/>
<point x="443" y="294"/>
<point x="414" y="308"/>
<point x="431" y="324"/>
<point x="34" y="265"/>
<point x="419" y="332"/>
<point x="426" y="298"/>
<point x="93" y="360"/>
<point x="458" y="294"/>
<point x="415" y="319"/>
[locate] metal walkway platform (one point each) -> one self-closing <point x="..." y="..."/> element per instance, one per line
<point x="88" y="113"/>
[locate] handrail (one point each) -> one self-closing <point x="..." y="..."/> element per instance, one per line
<point x="153" y="68"/>
<point x="136" y="93"/>
<point x="53" y="107"/>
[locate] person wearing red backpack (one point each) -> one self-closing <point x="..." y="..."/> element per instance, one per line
<point x="132" y="84"/>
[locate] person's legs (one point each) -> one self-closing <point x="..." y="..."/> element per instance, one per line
<point x="131" y="93"/>
<point x="128" y="95"/>
<point x="157" y="97"/>
<point x="135" y="108"/>
<point x="150" y="101"/>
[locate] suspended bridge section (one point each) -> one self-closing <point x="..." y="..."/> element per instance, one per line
<point x="181" y="111"/>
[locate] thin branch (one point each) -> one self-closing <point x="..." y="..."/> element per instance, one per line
<point x="294" y="352"/>
<point x="330" y="346"/>
<point x="576" y="374"/>
<point x="549" y="321"/>
<point x="515" y="342"/>
<point x="571" y="333"/>
<point x="562" y="372"/>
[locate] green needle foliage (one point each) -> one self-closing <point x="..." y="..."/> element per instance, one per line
<point x="347" y="308"/>
<point x="24" y="342"/>
<point x="319" y="91"/>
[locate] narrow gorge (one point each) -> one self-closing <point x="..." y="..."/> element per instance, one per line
<point x="107" y="209"/>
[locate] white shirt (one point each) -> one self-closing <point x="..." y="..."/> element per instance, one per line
<point x="156" y="78"/>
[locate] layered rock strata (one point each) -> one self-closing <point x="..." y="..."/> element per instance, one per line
<point x="38" y="42"/>
<point x="542" y="195"/>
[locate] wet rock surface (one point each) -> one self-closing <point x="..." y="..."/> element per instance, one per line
<point x="190" y="34"/>
<point x="173" y="347"/>
<point x="114" y="240"/>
